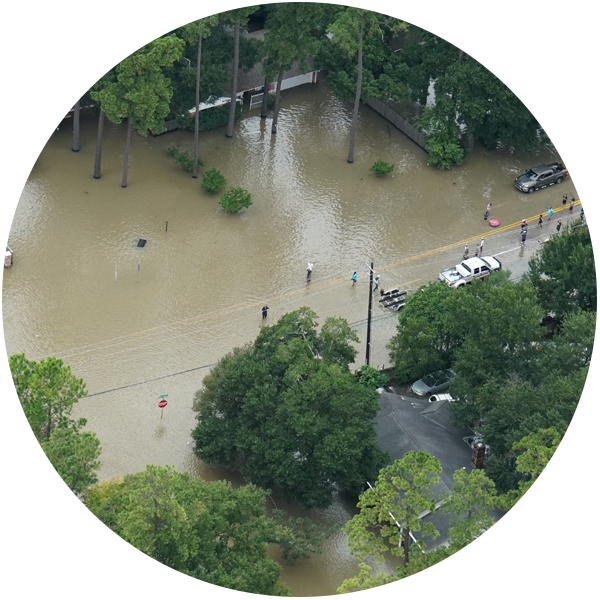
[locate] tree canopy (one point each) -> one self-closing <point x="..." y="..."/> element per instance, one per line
<point x="554" y="510"/>
<point x="564" y="274"/>
<point x="286" y="411"/>
<point x="207" y="530"/>
<point x="47" y="391"/>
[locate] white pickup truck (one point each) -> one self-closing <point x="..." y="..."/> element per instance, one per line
<point x="470" y="269"/>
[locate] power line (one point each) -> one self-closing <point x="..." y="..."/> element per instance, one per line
<point x="123" y="387"/>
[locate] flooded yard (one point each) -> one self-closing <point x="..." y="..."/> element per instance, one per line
<point x="136" y="323"/>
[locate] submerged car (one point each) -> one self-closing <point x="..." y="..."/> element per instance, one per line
<point x="434" y="382"/>
<point x="540" y="177"/>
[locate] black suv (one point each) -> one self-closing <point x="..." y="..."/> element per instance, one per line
<point x="540" y="177"/>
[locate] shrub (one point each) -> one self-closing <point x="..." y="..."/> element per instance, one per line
<point x="234" y="199"/>
<point x="444" y="150"/>
<point x="271" y="101"/>
<point x="213" y="181"/>
<point x="381" y="168"/>
<point x="372" y="378"/>
<point x="182" y="158"/>
<point x="30" y="573"/>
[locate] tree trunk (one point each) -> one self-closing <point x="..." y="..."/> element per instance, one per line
<point x="265" y="100"/>
<point x="357" y="99"/>
<point x="77" y="93"/>
<point x="277" y="98"/>
<point x="127" y="146"/>
<point x="100" y="137"/>
<point x="236" y="60"/>
<point x="464" y="42"/>
<point x="197" y="115"/>
<point x="406" y="545"/>
<point x="99" y="145"/>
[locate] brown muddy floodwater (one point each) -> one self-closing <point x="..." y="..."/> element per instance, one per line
<point x="194" y="292"/>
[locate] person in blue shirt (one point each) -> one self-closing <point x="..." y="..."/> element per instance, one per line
<point x="354" y="278"/>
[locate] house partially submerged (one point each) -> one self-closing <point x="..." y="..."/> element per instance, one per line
<point x="404" y="424"/>
<point x="250" y="84"/>
<point x="39" y="112"/>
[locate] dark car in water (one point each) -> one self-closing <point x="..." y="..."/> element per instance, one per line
<point x="540" y="177"/>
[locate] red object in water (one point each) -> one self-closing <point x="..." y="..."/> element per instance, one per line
<point x="162" y="404"/>
<point x="494" y="223"/>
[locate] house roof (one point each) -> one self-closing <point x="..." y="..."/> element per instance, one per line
<point x="40" y="102"/>
<point x="404" y="424"/>
<point x="15" y="142"/>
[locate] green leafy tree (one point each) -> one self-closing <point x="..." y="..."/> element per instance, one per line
<point x="358" y="20"/>
<point x="294" y="33"/>
<point x="499" y="326"/>
<point x="111" y="29"/>
<point x="441" y="140"/>
<point x="199" y="30"/>
<point x="393" y="505"/>
<point x="372" y="378"/>
<point x="564" y="273"/>
<point x="463" y="569"/>
<point x="424" y="341"/>
<point x="525" y="72"/>
<point x="298" y="536"/>
<point x="554" y="511"/>
<point x="213" y="181"/>
<point x="141" y="92"/>
<point x="287" y="410"/>
<point x="206" y="530"/>
<point x="47" y="391"/>
<point x="46" y="502"/>
<point x="238" y="17"/>
<point x="517" y="409"/>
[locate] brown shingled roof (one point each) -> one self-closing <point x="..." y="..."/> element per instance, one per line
<point x="15" y="141"/>
<point x="40" y="102"/>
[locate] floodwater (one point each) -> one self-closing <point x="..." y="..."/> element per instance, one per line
<point x="137" y="323"/>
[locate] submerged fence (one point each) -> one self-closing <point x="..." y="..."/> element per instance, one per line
<point x="418" y="137"/>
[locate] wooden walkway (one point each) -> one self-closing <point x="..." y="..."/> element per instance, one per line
<point x="418" y="137"/>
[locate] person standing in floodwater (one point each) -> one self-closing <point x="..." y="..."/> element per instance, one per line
<point x="558" y="226"/>
<point x="481" y="247"/>
<point x="487" y="211"/>
<point x="265" y="308"/>
<point x="466" y="253"/>
<point x="354" y="278"/>
<point x="540" y="221"/>
<point x="377" y="281"/>
<point x="565" y="200"/>
<point x="571" y="206"/>
<point x="309" y="272"/>
<point x="550" y="212"/>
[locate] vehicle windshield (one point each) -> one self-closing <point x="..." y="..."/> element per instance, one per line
<point x="430" y="380"/>
<point x="532" y="175"/>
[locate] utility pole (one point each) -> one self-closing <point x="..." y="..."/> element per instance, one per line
<point x="369" y="315"/>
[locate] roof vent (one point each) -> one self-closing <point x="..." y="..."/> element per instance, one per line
<point x="141" y="243"/>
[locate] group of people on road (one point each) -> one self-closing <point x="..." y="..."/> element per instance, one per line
<point x="478" y="249"/>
